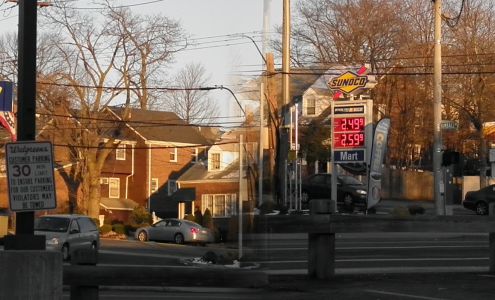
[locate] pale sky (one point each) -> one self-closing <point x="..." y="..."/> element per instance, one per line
<point x="204" y="19"/>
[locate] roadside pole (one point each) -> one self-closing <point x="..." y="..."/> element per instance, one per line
<point x="28" y="270"/>
<point x="26" y="114"/>
<point x="241" y="189"/>
<point x="439" y="186"/>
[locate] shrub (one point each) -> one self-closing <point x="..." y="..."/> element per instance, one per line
<point x="119" y="228"/>
<point x="198" y="216"/>
<point x="416" y="209"/>
<point x="139" y="216"/>
<point x="106" y="228"/>
<point x="207" y="219"/>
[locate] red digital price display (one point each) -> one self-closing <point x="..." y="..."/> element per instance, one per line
<point x="348" y="140"/>
<point x="348" y="124"/>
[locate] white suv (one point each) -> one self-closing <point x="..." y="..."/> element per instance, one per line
<point x="67" y="233"/>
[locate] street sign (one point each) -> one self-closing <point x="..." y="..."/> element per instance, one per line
<point x="449" y="125"/>
<point x="348" y="156"/>
<point x="30" y="177"/>
<point x="348" y="82"/>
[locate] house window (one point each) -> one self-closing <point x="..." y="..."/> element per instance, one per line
<point x="310" y="106"/>
<point x="219" y="205"/>
<point x="172" y="186"/>
<point x="154" y="185"/>
<point x="120" y="152"/>
<point x="113" y="187"/>
<point x="173" y="155"/>
<point x="215" y="161"/>
<point x="103" y="180"/>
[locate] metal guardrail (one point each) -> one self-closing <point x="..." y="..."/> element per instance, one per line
<point x="321" y="231"/>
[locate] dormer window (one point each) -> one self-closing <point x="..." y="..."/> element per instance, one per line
<point x="215" y="161"/>
<point x="310" y="106"/>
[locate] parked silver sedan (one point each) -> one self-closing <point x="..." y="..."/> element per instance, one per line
<point x="175" y="230"/>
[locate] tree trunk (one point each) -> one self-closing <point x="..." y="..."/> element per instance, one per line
<point x="94" y="196"/>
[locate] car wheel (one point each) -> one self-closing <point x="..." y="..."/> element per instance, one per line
<point x="142" y="236"/>
<point x="481" y="208"/>
<point x="348" y="203"/>
<point x="65" y="252"/>
<point x="179" y="238"/>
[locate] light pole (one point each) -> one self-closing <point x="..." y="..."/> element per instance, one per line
<point x="438" y="183"/>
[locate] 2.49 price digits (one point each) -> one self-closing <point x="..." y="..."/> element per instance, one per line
<point x="349" y="124"/>
<point x="349" y="140"/>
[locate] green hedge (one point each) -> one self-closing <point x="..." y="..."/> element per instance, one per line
<point x="106" y="228"/>
<point x="119" y="228"/>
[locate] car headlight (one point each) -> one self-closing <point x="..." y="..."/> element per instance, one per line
<point x="361" y="192"/>
<point x="53" y="241"/>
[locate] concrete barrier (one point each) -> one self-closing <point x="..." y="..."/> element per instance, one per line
<point x="321" y="230"/>
<point x="30" y="275"/>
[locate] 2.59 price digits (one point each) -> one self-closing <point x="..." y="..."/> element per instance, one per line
<point x="349" y="124"/>
<point x="349" y="140"/>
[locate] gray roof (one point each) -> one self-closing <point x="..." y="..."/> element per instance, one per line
<point x="199" y="172"/>
<point x="118" y="203"/>
<point x="162" y="126"/>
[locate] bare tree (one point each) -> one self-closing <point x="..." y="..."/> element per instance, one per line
<point x="148" y="46"/>
<point x="99" y="69"/>
<point x="189" y="103"/>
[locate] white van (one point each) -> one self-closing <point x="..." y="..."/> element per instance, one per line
<point x="67" y="233"/>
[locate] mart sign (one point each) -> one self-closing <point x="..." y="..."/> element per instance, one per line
<point x="348" y="82"/>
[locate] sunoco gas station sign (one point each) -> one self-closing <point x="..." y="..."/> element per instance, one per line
<point x="30" y="177"/>
<point x="348" y="82"/>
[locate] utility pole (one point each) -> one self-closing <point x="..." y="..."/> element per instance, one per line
<point x="283" y="149"/>
<point x="26" y="114"/>
<point x="241" y="193"/>
<point x="439" y="186"/>
<point x="261" y="142"/>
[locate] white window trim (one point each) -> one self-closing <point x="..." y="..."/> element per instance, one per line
<point x="174" y="152"/>
<point x="120" y="152"/>
<point x="154" y="182"/>
<point x="214" y="213"/>
<point x="312" y="106"/>
<point x="210" y="163"/>
<point x="111" y="181"/>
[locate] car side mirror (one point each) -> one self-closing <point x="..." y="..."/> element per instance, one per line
<point x="73" y="231"/>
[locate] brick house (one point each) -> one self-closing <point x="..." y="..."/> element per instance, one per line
<point x="153" y="151"/>
<point x="215" y="180"/>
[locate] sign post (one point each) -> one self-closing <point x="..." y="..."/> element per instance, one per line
<point x="351" y="124"/>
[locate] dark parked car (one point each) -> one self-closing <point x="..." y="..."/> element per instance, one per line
<point x="175" y="230"/>
<point x="351" y="193"/>
<point x="479" y="200"/>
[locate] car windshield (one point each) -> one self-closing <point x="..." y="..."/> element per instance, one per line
<point x="54" y="224"/>
<point x="350" y="180"/>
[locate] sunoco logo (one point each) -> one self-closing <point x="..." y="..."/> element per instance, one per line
<point x="348" y="82"/>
